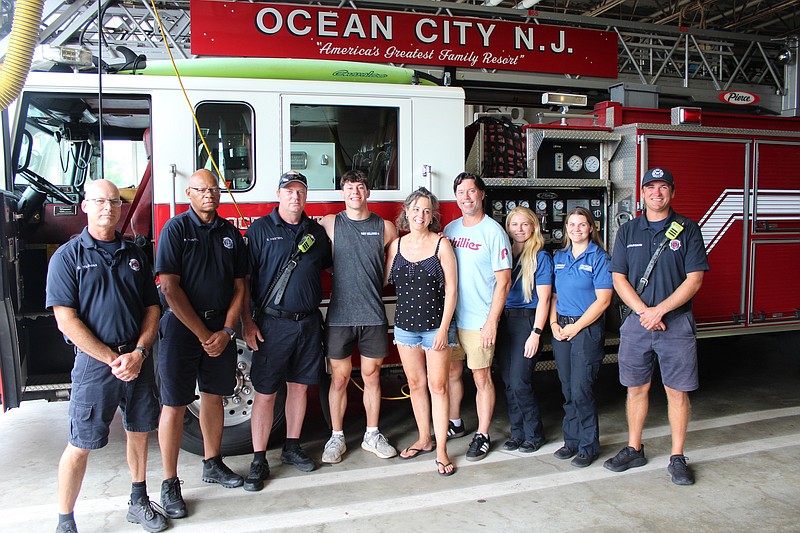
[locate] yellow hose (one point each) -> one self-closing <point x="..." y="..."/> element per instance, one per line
<point x="24" y="35"/>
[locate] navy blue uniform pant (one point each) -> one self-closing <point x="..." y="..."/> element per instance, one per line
<point x="517" y="374"/>
<point x="578" y="363"/>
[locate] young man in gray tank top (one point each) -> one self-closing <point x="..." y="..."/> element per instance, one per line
<point x="356" y="314"/>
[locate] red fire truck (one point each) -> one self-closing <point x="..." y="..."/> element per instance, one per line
<point x="734" y="174"/>
<point x="263" y="117"/>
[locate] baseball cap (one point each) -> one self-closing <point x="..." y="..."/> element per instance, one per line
<point x="292" y="176"/>
<point x="658" y="174"/>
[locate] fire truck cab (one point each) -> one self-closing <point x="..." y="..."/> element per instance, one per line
<point x="259" y="119"/>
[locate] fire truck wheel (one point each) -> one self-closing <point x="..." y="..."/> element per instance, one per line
<point x="236" y="438"/>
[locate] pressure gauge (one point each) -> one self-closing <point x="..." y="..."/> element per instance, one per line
<point x="498" y="205"/>
<point x="592" y="164"/>
<point x="575" y="163"/>
<point x="557" y="234"/>
<point x="524" y="203"/>
<point x="511" y="204"/>
<point x="558" y="205"/>
<point x="541" y="205"/>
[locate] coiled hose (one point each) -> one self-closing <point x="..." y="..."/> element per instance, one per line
<point x="24" y="35"/>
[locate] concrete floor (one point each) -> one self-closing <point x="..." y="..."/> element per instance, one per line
<point x="743" y="444"/>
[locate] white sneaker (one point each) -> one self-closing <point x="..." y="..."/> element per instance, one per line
<point x="334" y="449"/>
<point x="376" y="443"/>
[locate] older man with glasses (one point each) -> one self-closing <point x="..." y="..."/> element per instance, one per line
<point x="102" y="292"/>
<point x="201" y="263"/>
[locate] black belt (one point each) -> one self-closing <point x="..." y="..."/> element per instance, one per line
<point x="563" y="320"/>
<point x="283" y="314"/>
<point x="211" y="313"/>
<point x="519" y="312"/>
<point x="123" y="348"/>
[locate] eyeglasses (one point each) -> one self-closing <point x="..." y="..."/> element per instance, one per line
<point x="203" y="190"/>
<point x="100" y="202"/>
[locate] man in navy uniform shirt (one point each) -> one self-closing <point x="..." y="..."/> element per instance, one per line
<point x="104" y="298"/>
<point x="202" y="264"/>
<point x="661" y="325"/>
<point x="287" y="252"/>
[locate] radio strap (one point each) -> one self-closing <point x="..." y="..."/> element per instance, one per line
<point x="675" y="228"/>
<point x="279" y="284"/>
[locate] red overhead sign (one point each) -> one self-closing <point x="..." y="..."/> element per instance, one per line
<point x="221" y="28"/>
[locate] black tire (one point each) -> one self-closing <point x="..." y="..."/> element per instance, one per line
<point x="236" y="438"/>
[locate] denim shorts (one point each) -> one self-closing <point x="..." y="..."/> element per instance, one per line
<point x="415" y="339"/>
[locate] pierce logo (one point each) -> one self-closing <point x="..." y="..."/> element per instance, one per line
<point x="739" y="98"/>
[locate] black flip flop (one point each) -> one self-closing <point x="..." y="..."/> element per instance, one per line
<point x="440" y="464"/>
<point x="417" y="453"/>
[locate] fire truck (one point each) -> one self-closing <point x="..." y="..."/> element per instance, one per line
<point x="734" y="174"/>
<point x="260" y="117"/>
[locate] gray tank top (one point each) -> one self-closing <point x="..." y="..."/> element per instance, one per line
<point x="358" y="259"/>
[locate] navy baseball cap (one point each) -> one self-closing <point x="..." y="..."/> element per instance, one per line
<point x="292" y="176"/>
<point x="658" y="174"/>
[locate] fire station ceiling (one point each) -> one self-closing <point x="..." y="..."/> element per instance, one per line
<point x="692" y="50"/>
<point x="773" y="18"/>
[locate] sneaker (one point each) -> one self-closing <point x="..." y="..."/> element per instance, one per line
<point x="215" y="471"/>
<point x="679" y="470"/>
<point x="564" y="453"/>
<point x="625" y="459"/>
<point x="143" y="512"/>
<point x="529" y="446"/>
<point x="334" y="449"/>
<point x="298" y="458"/>
<point x="67" y="527"/>
<point x="582" y="460"/>
<point x="512" y="444"/>
<point x="376" y="443"/>
<point x="171" y="498"/>
<point x="454" y="431"/>
<point x="259" y="472"/>
<point x="479" y="447"/>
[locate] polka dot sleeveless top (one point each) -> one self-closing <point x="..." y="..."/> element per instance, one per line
<point x="420" y="291"/>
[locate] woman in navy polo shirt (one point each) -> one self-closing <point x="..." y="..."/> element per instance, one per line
<point x="520" y="328"/>
<point x="583" y="289"/>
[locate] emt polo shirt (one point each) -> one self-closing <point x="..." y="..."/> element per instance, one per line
<point x="109" y="292"/>
<point x="578" y="277"/>
<point x="542" y="276"/>
<point x="635" y="244"/>
<point x="271" y="242"/>
<point x="207" y="257"/>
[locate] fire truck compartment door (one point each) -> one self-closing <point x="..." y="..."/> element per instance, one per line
<point x="11" y="378"/>
<point x="711" y="175"/>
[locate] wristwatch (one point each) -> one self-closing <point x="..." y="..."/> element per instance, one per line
<point x="145" y="351"/>
<point x="230" y="332"/>
<point x="538" y="331"/>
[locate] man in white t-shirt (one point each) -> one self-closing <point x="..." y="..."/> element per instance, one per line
<point x="483" y="252"/>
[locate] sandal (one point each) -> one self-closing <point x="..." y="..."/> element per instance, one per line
<point x="411" y="453"/>
<point x="441" y="468"/>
